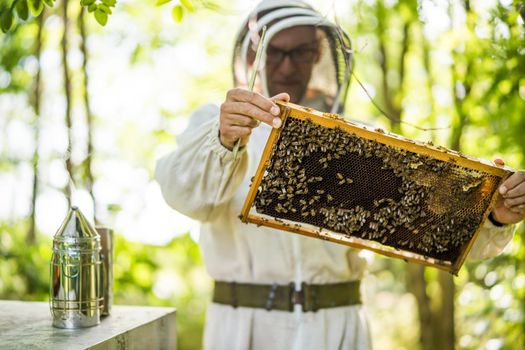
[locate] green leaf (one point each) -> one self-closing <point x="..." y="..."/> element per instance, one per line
<point x="188" y="4"/>
<point x="86" y="2"/>
<point x="101" y="17"/>
<point x="92" y="7"/>
<point x="162" y="2"/>
<point x="6" y="20"/>
<point x="110" y="3"/>
<point x="35" y="7"/>
<point x="49" y="3"/>
<point x="114" y="208"/>
<point x="21" y="9"/>
<point x="104" y="8"/>
<point x="177" y="13"/>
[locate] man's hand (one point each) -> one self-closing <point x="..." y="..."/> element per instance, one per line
<point x="510" y="204"/>
<point x="242" y="111"/>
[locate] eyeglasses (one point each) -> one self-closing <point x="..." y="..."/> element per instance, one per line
<point x="298" y="55"/>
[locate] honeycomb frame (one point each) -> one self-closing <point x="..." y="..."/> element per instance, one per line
<point x="441" y="160"/>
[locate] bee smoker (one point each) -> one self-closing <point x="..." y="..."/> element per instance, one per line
<point x="76" y="290"/>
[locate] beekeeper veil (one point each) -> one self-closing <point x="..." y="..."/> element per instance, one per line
<point x="330" y="68"/>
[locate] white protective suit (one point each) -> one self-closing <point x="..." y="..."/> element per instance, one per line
<point x="203" y="181"/>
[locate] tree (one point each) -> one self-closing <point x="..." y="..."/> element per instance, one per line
<point x="20" y="10"/>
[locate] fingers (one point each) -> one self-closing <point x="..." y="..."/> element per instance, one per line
<point x="513" y="192"/>
<point x="513" y="186"/>
<point x="251" y="104"/>
<point x="229" y="134"/>
<point x="248" y="110"/>
<point x="283" y="96"/>
<point x="253" y="98"/>
<point x="519" y="200"/>
<point x="243" y="110"/>
<point x="510" y="206"/>
<point x="240" y="120"/>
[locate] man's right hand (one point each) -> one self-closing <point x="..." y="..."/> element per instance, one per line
<point x="242" y="111"/>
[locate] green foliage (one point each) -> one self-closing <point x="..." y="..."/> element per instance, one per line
<point x="188" y="5"/>
<point x="177" y="13"/>
<point x="17" y="47"/>
<point x="24" y="273"/>
<point x="497" y="289"/>
<point x="101" y="16"/>
<point x="6" y="20"/>
<point x="22" y="9"/>
<point x="170" y="275"/>
<point x="35" y="6"/>
<point x="101" y="10"/>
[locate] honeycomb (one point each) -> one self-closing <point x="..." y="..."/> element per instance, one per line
<point x="371" y="190"/>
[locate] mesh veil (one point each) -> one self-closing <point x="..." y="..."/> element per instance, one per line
<point x="328" y="86"/>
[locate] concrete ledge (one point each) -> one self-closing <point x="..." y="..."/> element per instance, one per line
<point x="28" y="325"/>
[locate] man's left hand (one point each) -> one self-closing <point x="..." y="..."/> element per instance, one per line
<point x="510" y="204"/>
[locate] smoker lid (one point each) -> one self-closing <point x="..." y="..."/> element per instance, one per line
<point x="76" y="227"/>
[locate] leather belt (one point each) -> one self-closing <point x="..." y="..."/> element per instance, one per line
<point x="311" y="297"/>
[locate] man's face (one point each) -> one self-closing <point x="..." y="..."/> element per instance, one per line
<point x="291" y="55"/>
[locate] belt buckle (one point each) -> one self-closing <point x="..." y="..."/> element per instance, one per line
<point x="306" y="297"/>
<point x="297" y="296"/>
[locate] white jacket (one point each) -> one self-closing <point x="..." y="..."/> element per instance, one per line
<point x="201" y="180"/>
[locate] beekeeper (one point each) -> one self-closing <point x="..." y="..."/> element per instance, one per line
<point x="276" y="290"/>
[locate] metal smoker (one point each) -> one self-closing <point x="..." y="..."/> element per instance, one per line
<point x="76" y="290"/>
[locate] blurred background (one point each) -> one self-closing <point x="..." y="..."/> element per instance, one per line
<point x="85" y="110"/>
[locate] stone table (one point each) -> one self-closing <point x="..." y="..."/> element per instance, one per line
<point x="27" y="325"/>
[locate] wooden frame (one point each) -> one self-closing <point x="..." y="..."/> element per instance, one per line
<point x="332" y="121"/>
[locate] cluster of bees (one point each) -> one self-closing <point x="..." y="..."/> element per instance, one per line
<point x="335" y="180"/>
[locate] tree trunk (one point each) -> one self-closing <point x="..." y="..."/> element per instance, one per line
<point x="430" y="81"/>
<point x="87" y="167"/>
<point x="67" y="93"/>
<point x="446" y="337"/>
<point x="391" y="98"/>
<point x="417" y="285"/>
<point x="462" y="87"/>
<point x="35" y="101"/>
